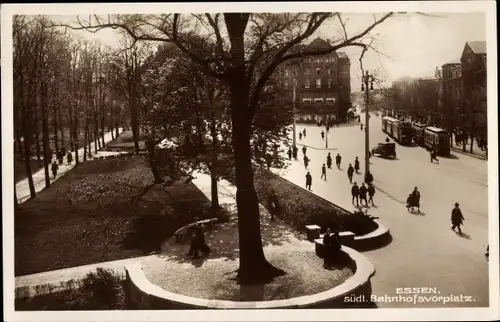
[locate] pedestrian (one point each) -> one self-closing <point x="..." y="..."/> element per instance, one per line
<point x="329" y="161"/>
<point x="69" y="157"/>
<point x="416" y="198"/>
<point x="371" y="193"/>
<point x="350" y="172"/>
<point x="361" y="126"/>
<point x="433" y="154"/>
<point x="387" y="140"/>
<point x="327" y="128"/>
<point x="300" y="135"/>
<point x="355" y="193"/>
<point x="356" y="165"/>
<point x="322" y="135"/>
<point x="338" y="159"/>
<point x="295" y="152"/>
<point x="60" y="157"/>
<point x="63" y="150"/>
<point x="198" y="243"/>
<point x="362" y="194"/>
<point x="289" y="153"/>
<point x="304" y="150"/>
<point x="54" y="168"/>
<point x="323" y="172"/>
<point x="409" y="202"/>
<point x="306" y="161"/>
<point x="308" y="181"/>
<point x="457" y="218"/>
<point x="368" y="177"/>
<point x="304" y="133"/>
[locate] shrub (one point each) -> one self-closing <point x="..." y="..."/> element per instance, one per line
<point x="99" y="290"/>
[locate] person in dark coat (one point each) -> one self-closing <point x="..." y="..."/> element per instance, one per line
<point x="368" y="177"/>
<point x="416" y="198"/>
<point x="295" y="152"/>
<point x="300" y="135"/>
<point x="409" y="202"/>
<point x="355" y="193"/>
<point x="69" y="157"/>
<point x="362" y="194"/>
<point x="198" y="243"/>
<point x="329" y="161"/>
<point x="356" y="165"/>
<point x="306" y="161"/>
<point x="304" y="133"/>
<point x="338" y="159"/>
<point x="433" y="155"/>
<point x="371" y="193"/>
<point x="323" y="172"/>
<point x="289" y="153"/>
<point x="350" y="172"/>
<point x="54" y="168"/>
<point x="457" y="218"/>
<point x="304" y="150"/>
<point x="63" y="150"/>
<point x="322" y="135"/>
<point x="387" y="140"/>
<point x="60" y="157"/>
<point x="308" y="181"/>
<point x="361" y="126"/>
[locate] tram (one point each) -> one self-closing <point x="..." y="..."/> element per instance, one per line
<point x="398" y="130"/>
<point x="438" y="139"/>
<point x="387" y="123"/>
<point x="418" y="133"/>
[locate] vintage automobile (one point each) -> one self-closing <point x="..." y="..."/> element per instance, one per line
<point x="386" y="150"/>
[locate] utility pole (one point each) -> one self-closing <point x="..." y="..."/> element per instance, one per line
<point x="367" y="83"/>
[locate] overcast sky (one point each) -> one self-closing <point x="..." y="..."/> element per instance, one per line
<point x="415" y="44"/>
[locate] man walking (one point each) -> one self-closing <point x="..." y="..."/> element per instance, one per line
<point x="295" y="152"/>
<point x="355" y="193"/>
<point x="323" y="172"/>
<point x="322" y="135"/>
<point x="289" y="153"/>
<point x="329" y="161"/>
<point x="304" y="150"/>
<point x="350" y="172"/>
<point x="304" y="133"/>
<point x="308" y="181"/>
<point x="338" y="159"/>
<point x="306" y="161"/>
<point x="362" y="194"/>
<point x="416" y="198"/>
<point x="371" y="193"/>
<point x="356" y="165"/>
<point x="456" y="218"/>
<point x="54" y="168"/>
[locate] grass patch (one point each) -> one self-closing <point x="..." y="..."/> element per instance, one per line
<point x="101" y="211"/>
<point x="299" y="207"/>
<point x="99" y="290"/>
<point x="20" y="168"/>
<point x="125" y="142"/>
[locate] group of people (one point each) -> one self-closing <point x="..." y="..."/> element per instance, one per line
<point x="359" y="194"/>
<point x="198" y="243"/>
<point x="332" y="245"/>
<point x="413" y="200"/>
<point x="60" y="160"/>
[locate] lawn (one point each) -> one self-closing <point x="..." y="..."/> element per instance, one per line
<point x="125" y="142"/>
<point x="102" y="210"/>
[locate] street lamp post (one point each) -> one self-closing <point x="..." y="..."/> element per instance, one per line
<point x="367" y="84"/>
<point x="294" y="124"/>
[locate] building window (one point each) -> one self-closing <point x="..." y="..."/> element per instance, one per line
<point x="329" y="72"/>
<point x="307" y="83"/>
<point x="286" y="72"/>
<point x="306" y="100"/>
<point x="329" y="82"/>
<point x="306" y="71"/>
<point x="318" y="82"/>
<point x="294" y="82"/>
<point x="286" y="84"/>
<point x="318" y="71"/>
<point x="318" y="99"/>
<point x="295" y="72"/>
<point x="330" y="99"/>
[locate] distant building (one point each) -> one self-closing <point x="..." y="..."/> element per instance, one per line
<point x="323" y="83"/>
<point x="452" y="93"/>
<point x="474" y="67"/>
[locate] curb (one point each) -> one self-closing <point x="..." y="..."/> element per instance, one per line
<point x="480" y="157"/>
<point x="142" y="294"/>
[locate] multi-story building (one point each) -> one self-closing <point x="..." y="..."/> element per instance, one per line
<point x="322" y="83"/>
<point x="452" y="93"/>
<point x="473" y="65"/>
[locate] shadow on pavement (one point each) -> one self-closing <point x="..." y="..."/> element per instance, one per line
<point x="464" y="236"/>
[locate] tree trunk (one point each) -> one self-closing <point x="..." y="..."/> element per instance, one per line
<point x="76" y="134"/>
<point x="56" y="132"/>
<point x="150" y="144"/>
<point x="28" y="135"/>
<point x="45" y="135"/>
<point x="214" y="167"/>
<point x="254" y="267"/>
<point x="36" y="135"/>
<point x="61" y="127"/>
<point x="85" y="138"/>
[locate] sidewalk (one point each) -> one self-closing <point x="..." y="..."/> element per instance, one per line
<point x="22" y="187"/>
<point x="476" y="151"/>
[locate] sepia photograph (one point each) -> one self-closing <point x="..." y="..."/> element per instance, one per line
<point x="174" y="161"/>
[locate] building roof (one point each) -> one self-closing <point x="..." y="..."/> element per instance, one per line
<point x="319" y="43"/>
<point x="478" y="47"/>
<point x="455" y="61"/>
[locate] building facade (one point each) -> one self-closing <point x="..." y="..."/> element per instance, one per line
<point x="452" y="93"/>
<point x="322" y="83"/>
